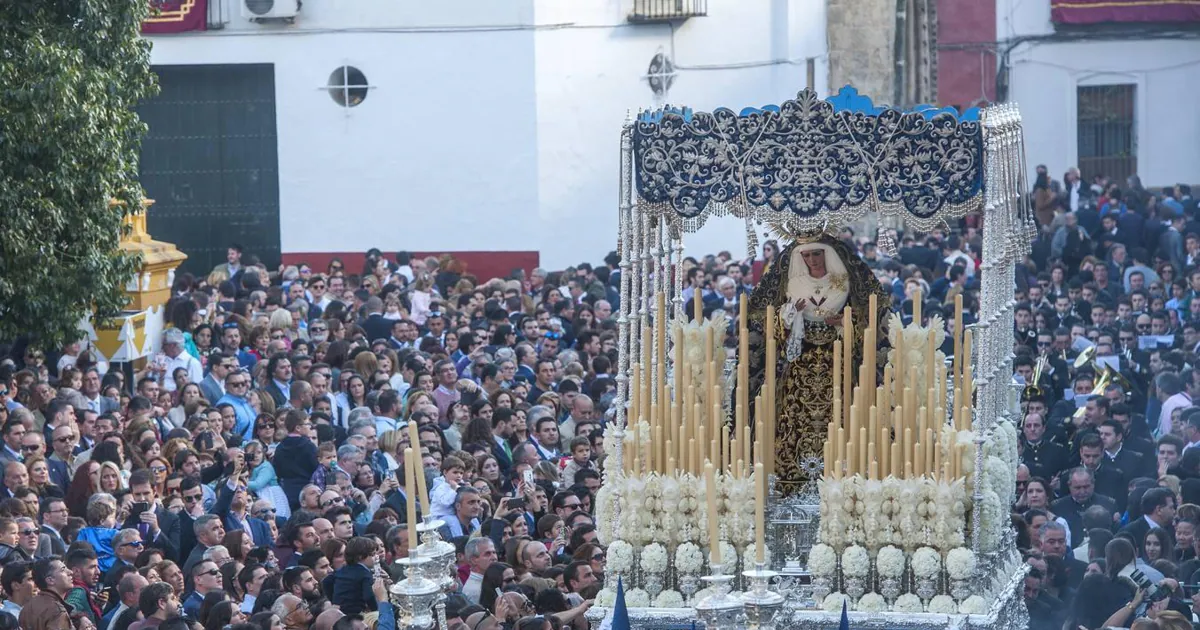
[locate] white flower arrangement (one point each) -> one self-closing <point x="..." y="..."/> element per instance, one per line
<point x="655" y="521"/>
<point x="960" y="563"/>
<point x="891" y="511"/>
<point x="613" y="465"/>
<point x="856" y="562"/>
<point x="689" y="560"/>
<point x="654" y="559"/>
<point x="908" y="603"/>
<point x="890" y="562"/>
<point x="822" y="561"/>
<point x="993" y="519"/>
<point x="973" y="605"/>
<point x="949" y="526"/>
<point x="997" y="476"/>
<point x="669" y="599"/>
<point x="926" y="563"/>
<point x="876" y="524"/>
<point x="729" y="556"/>
<point x="607" y="500"/>
<point x="637" y="598"/>
<point x="833" y="522"/>
<point x="943" y="604"/>
<point x="619" y="557"/>
<point x="871" y="602"/>
<point x="687" y="521"/>
<point x="739" y="510"/>
<point x="834" y="601"/>
<point x="606" y="597"/>
<point x="630" y="524"/>
<point x="702" y="593"/>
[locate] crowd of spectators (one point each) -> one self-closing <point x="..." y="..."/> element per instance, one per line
<point x="251" y="475"/>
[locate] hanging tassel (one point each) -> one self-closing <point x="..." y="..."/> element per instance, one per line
<point x="886" y="244"/>
<point x="751" y="238"/>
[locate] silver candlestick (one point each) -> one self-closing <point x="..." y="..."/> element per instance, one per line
<point x="760" y="602"/>
<point x="720" y="610"/>
<point x="415" y="595"/>
<point x="440" y="567"/>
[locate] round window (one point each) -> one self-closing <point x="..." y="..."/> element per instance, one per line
<point x="348" y="86"/>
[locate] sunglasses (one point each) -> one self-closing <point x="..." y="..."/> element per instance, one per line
<point x="63" y="440"/>
<point x="28" y="448"/>
<point x="136" y="543"/>
<point x="236" y="383"/>
<point x="158" y="469"/>
<point x="191" y="499"/>
<point x="267" y="511"/>
<point x="598" y="557"/>
<point x="337" y="501"/>
<point x="29" y="532"/>
<point x="213" y="572"/>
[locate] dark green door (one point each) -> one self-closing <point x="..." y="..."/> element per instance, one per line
<point x="210" y="162"/>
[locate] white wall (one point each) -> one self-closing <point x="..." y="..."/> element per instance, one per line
<point x="1045" y="77"/>
<point x="483" y="132"/>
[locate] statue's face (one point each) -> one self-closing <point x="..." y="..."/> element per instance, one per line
<point x="815" y="259"/>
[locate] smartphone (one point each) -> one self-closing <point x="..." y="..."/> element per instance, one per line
<point x="527" y="476"/>
<point x="516" y="504"/>
<point x="136" y="508"/>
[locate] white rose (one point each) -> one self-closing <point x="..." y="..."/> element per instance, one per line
<point x="606" y="597"/>
<point x="973" y="605"/>
<point x="926" y="562"/>
<point x="890" y="562"/>
<point x="960" y="563"/>
<point x="689" y="560"/>
<point x="908" y="603"/>
<point x="637" y="598"/>
<point x="871" y="602"/>
<point x="834" y="601"/>
<point x="943" y="604"/>
<point x="654" y="559"/>
<point x="856" y="562"/>
<point x="669" y="599"/>
<point x="822" y="560"/>
<point x="619" y="557"/>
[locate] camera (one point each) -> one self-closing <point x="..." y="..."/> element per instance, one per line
<point x="1153" y="592"/>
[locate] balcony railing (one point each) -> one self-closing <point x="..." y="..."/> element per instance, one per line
<point x="667" y="10"/>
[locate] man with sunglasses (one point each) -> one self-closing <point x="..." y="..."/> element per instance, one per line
<point x="237" y="389"/>
<point x="292" y="611"/>
<point x="206" y="578"/>
<point x="127" y="544"/>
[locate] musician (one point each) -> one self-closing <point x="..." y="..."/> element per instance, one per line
<point x="1064" y="313"/>
<point x="1062" y="345"/>
<point x="1056" y="367"/>
<point x="1136" y="439"/>
<point x="1023" y="331"/>
<point x="1042" y="457"/>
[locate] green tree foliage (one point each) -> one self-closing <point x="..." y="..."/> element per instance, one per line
<point x="71" y="72"/>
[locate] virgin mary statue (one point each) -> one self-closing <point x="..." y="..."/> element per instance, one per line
<point x="813" y="281"/>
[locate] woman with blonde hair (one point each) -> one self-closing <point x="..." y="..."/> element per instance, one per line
<point x="259" y="341"/>
<point x="389" y="445"/>
<point x="389" y="363"/>
<point x="366" y="363"/>
<point x="160" y="469"/>
<point x="111" y="480"/>
<point x="39" y="477"/>
<point x="415" y="399"/>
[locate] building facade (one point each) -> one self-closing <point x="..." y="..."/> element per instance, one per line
<point x="481" y="128"/>
<point x="1111" y="93"/>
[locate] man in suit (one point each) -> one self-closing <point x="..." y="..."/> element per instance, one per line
<point x="54" y="514"/>
<point x="279" y="379"/>
<point x="1109" y="480"/>
<point x="91" y="393"/>
<point x="235" y="505"/>
<point x="158" y="526"/>
<point x="375" y="324"/>
<point x="1082" y="485"/>
<point x="501" y="431"/>
<point x="11" y="450"/>
<point x="213" y="385"/>
<point x="1129" y="462"/>
<point x="1158" y="511"/>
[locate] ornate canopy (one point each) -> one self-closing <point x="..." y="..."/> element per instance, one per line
<point x="809" y="163"/>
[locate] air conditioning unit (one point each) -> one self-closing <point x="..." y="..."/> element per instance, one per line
<point x="256" y="10"/>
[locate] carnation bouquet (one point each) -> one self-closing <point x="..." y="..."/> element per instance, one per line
<point x="822" y="561"/>
<point x="619" y="558"/>
<point x="871" y="602"/>
<point x="960" y="563"/>
<point x="856" y="562"/>
<point x="926" y="563"/>
<point x="689" y="560"/>
<point x="943" y="604"/>
<point x="890" y="562"/>
<point x="654" y="559"/>
<point x="973" y="605"/>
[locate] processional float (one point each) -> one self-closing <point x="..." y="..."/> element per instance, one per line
<point x="902" y="514"/>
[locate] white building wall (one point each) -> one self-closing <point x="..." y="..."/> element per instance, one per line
<point x="491" y="126"/>
<point x="1045" y="78"/>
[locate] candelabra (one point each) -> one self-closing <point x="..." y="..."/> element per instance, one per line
<point x="414" y="596"/>
<point x="761" y="603"/>
<point x="721" y="609"/>
<point x="440" y="566"/>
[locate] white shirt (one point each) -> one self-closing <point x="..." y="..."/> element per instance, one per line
<point x="185" y="361"/>
<point x="248" y="603"/>
<point x="472" y="587"/>
<point x="1177" y="401"/>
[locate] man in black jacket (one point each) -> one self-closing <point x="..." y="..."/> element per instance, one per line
<point x="158" y="526"/>
<point x="296" y="457"/>
<point x="1082" y="485"/>
<point x="1158" y="511"/>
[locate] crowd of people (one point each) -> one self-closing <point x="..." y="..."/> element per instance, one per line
<point x="1107" y="331"/>
<point x="251" y="475"/>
